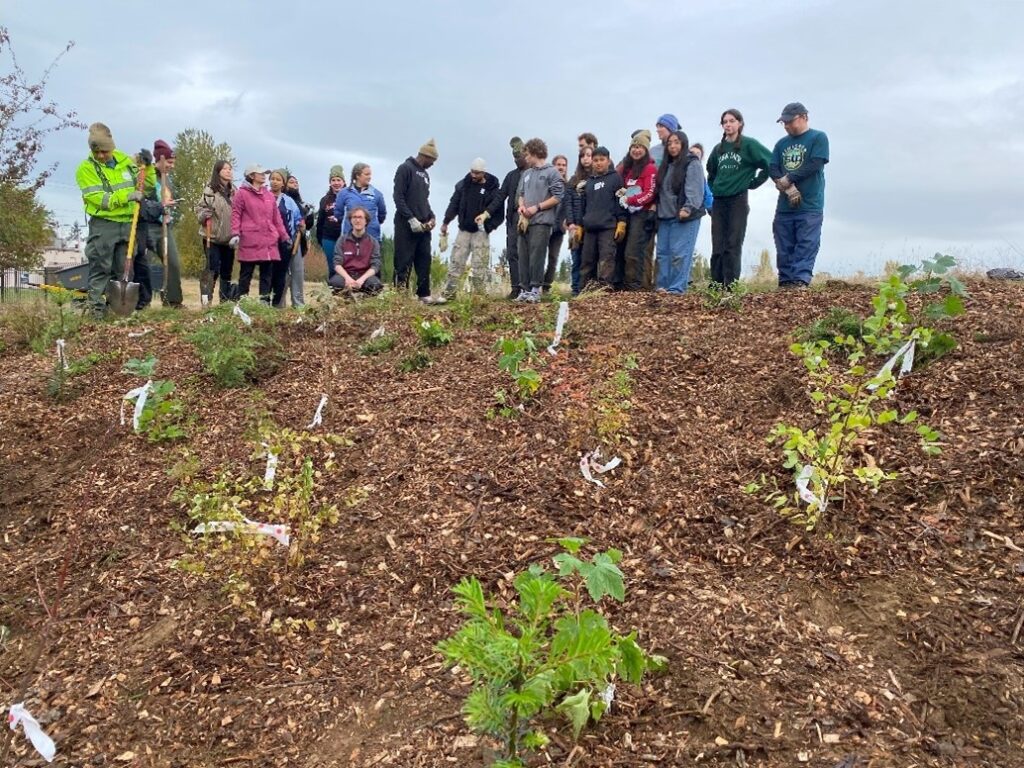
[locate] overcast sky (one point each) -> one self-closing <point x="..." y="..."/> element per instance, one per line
<point x="923" y="102"/>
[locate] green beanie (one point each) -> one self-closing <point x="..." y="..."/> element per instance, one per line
<point x="337" y="171"/>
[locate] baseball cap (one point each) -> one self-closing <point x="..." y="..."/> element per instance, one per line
<point x="790" y="111"/>
<point x="252" y="168"/>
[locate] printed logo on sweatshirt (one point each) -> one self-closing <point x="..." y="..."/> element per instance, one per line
<point x="423" y="175"/>
<point x="599" y="185"/>
<point x="731" y="159"/>
<point x="793" y="156"/>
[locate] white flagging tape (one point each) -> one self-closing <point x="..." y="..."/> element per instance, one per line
<point x="278" y="532"/>
<point x="589" y="464"/>
<point x="563" y="316"/>
<point x="318" y="417"/>
<point x="62" y="359"/>
<point x="242" y="314"/>
<point x="607" y="696"/>
<point x="139" y="395"/>
<point x="44" y="744"/>
<point x="803" y="479"/>
<point x="137" y="334"/>
<point x="271" y="473"/>
<point x="906" y="352"/>
<point x="378" y="333"/>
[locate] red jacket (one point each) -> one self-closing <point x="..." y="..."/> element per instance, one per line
<point x="648" y="183"/>
<point x="256" y="220"/>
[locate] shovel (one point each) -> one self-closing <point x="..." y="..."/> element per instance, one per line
<point x="208" y="278"/>
<point x="123" y="295"/>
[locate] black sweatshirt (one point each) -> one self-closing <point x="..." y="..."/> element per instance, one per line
<point x="601" y="209"/>
<point x="471" y="199"/>
<point x="412" y="192"/>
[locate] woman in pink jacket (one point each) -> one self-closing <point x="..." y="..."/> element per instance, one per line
<point x="256" y="229"/>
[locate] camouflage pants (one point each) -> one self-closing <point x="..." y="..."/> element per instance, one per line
<point x="474" y="248"/>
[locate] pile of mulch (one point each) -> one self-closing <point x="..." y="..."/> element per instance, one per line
<point x="891" y="635"/>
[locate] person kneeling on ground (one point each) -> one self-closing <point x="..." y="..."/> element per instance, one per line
<point x="357" y="254"/>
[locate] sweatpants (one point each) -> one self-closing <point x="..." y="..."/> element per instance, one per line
<point x="245" y="270"/>
<point x="533" y="250"/>
<point x="412" y="251"/>
<point x="279" y="274"/>
<point x="597" y="258"/>
<point x="554" y="249"/>
<point x="728" y="228"/>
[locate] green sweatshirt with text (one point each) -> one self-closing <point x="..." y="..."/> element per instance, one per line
<point x="732" y="171"/>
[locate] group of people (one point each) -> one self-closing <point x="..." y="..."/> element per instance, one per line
<point x="616" y="217"/>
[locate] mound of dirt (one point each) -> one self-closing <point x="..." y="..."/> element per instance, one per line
<point x="891" y="636"/>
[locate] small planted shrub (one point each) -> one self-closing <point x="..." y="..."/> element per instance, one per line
<point x="163" y="417"/>
<point x="233" y="353"/>
<point x="546" y="653"/>
<point x="516" y="356"/>
<point x="432" y="333"/>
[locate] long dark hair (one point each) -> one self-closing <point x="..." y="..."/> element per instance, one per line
<point x="668" y="160"/>
<point x="739" y="137"/>
<point x="216" y="183"/>
<point x="636" y="167"/>
<point x="581" y="173"/>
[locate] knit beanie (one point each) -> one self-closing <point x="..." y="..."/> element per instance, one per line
<point x="429" y="150"/>
<point x="478" y="165"/>
<point x="641" y="138"/>
<point x="670" y="121"/>
<point x="162" y="150"/>
<point x="284" y="174"/>
<point x="336" y="172"/>
<point x="100" y="138"/>
<point x="517" y="146"/>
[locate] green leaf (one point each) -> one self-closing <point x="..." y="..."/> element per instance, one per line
<point x="470" y="597"/>
<point x="538" y="592"/>
<point x="604" y="578"/>
<point x="484" y="712"/>
<point x="571" y="544"/>
<point x="535" y="740"/>
<point x="957" y="287"/>
<point x="577" y="709"/>
<point x="632" y="662"/>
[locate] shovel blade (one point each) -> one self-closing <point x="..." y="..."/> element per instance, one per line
<point x="122" y="297"/>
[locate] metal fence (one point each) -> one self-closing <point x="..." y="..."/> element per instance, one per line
<point x="14" y="285"/>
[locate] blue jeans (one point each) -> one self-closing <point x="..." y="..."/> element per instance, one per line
<point x="575" y="272"/>
<point x="797" y="240"/>
<point x="328" y="246"/>
<point x="676" y="241"/>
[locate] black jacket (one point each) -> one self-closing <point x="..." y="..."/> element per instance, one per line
<point x="601" y="209"/>
<point x="471" y="199"/>
<point x="327" y="227"/>
<point x="412" y="192"/>
<point x="507" y="197"/>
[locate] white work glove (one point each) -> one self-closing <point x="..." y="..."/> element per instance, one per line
<point x="580" y="186"/>
<point x="416" y="225"/>
<point x="233" y="242"/>
<point x="442" y="244"/>
<point x="483" y="217"/>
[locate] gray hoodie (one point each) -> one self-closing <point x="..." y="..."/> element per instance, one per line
<point x="674" y="195"/>
<point x="538" y="184"/>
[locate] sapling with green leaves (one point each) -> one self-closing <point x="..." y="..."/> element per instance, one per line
<point x="163" y="416"/>
<point x="546" y="652"/>
<point x="516" y="356"/>
<point x="856" y="399"/>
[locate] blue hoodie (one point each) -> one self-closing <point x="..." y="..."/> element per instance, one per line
<point x="371" y="199"/>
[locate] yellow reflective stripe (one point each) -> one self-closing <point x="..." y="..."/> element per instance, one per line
<point x="94" y="188"/>
<point x="123" y="185"/>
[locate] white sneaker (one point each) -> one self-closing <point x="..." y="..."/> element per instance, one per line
<point x="439" y="300"/>
<point x="426" y="300"/>
<point x="522" y="296"/>
<point x="532" y="296"/>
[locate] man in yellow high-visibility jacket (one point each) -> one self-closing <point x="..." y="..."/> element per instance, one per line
<point x="107" y="180"/>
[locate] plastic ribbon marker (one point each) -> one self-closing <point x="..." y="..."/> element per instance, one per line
<point x="377" y="333"/>
<point x="563" y="316"/>
<point x="241" y="313"/>
<point x="271" y="473"/>
<point x="803" y="480"/>
<point x="906" y="353"/>
<point x="62" y="359"/>
<point x="318" y="417"/>
<point x="44" y="744"/>
<point x="278" y="532"/>
<point x="139" y="395"/>
<point x="589" y="464"/>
